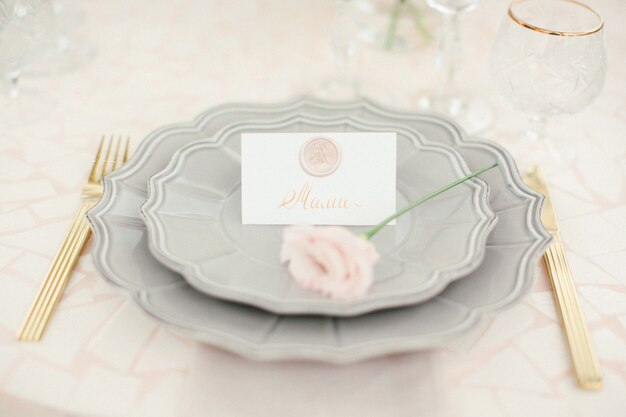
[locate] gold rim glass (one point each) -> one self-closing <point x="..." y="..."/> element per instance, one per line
<point x="581" y="20"/>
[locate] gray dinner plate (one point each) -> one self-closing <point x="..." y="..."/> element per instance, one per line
<point x="193" y="216"/>
<point x="121" y="251"/>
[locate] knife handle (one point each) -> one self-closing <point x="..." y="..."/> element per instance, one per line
<point x="585" y="361"/>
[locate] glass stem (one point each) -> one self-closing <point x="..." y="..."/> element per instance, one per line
<point x="341" y="57"/>
<point x="536" y="127"/>
<point x="13" y="90"/>
<point x="448" y="55"/>
<point x="343" y="42"/>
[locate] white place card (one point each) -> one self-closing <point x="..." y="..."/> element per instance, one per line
<point x="345" y="178"/>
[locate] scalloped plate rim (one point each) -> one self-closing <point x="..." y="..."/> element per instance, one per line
<point x="437" y="281"/>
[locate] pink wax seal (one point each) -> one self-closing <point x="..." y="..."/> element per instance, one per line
<point x="320" y="156"/>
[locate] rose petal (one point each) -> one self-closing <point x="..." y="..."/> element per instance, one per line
<point x="304" y="269"/>
<point x="331" y="260"/>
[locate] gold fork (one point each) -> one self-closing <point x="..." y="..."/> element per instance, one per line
<point x="53" y="285"/>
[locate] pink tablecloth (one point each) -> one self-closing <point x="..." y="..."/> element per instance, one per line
<point x="163" y="61"/>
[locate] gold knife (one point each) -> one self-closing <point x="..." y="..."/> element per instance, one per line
<point x="583" y="355"/>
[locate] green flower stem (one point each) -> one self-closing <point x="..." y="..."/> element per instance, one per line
<point x="393" y="23"/>
<point x="370" y="233"/>
<point x="419" y="22"/>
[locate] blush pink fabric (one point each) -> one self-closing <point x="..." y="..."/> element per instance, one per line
<point x="330" y="260"/>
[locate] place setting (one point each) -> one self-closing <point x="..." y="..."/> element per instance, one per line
<point x="200" y="209"/>
<point x="343" y="231"/>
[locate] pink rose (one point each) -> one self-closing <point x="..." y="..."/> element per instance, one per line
<point x="330" y="260"/>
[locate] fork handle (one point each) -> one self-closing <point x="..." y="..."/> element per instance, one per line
<point x="60" y="271"/>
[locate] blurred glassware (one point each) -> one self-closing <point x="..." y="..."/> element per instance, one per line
<point x="394" y="25"/>
<point x="343" y="44"/>
<point x="549" y="58"/>
<point x="69" y="49"/>
<point x="25" y="27"/>
<point x="473" y="114"/>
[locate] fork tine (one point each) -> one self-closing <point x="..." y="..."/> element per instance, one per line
<point x="126" y="150"/>
<point x="96" y="162"/>
<point x="116" y="158"/>
<point x="107" y="159"/>
<point x="57" y="277"/>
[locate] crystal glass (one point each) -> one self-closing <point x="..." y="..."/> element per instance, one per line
<point x="473" y="114"/>
<point x="343" y="44"/>
<point x="549" y="58"/>
<point x="395" y="25"/>
<point x="25" y="26"/>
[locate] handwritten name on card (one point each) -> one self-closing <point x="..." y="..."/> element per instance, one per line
<point x="346" y="178"/>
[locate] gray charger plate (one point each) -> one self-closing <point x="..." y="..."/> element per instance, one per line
<point x="121" y="252"/>
<point x="193" y="216"/>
